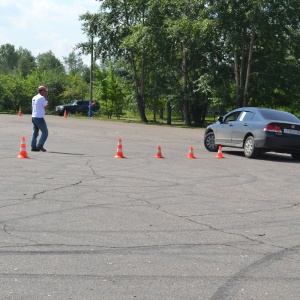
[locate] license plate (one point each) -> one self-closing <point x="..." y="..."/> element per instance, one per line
<point x="291" y="131"/>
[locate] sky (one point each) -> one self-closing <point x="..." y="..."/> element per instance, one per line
<point x="43" y="25"/>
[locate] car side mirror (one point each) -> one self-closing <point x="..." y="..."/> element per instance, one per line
<point x="220" y="119"/>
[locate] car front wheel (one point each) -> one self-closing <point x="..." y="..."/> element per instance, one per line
<point x="209" y="142"/>
<point x="250" y="150"/>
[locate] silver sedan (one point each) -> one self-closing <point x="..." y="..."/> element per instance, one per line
<point x="256" y="130"/>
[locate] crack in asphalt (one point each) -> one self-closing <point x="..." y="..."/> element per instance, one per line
<point x="244" y="213"/>
<point x="219" y="230"/>
<point x="226" y="291"/>
<point x="135" y="277"/>
<point x="230" y="288"/>
<point x="95" y="249"/>
<point x="56" y="189"/>
<point x="33" y="198"/>
<point x="5" y="229"/>
<point x="157" y="207"/>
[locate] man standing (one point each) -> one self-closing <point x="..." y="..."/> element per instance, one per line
<point x="39" y="104"/>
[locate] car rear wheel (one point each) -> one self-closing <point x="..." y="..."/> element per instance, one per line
<point x="250" y="150"/>
<point x="296" y="156"/>
<point x="209" y="142"/>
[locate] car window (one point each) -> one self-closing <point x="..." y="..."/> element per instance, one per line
<point x="278" y="115"/>
<point x="232" y="117"/>
<point x="79" y="103"/>
<point x="246" y="116"/>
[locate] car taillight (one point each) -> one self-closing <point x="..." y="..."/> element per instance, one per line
<point x="273" y="128"/>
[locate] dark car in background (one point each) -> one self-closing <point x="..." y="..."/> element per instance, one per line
<point x="77" y="106"/>
<point x="256" y="130"/>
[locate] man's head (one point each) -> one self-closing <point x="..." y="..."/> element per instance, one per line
<point x="42" y="90"/>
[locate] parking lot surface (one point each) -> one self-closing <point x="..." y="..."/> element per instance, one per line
<point x="78" y="223"/>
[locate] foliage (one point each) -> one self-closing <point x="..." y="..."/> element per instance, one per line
<point x="13" y="92"/>
<point x="48" y="61"/>
<point x="185" y="57"/>
<point x="75" y="88"/>
<point x="74" y="64"/>
<point x="109" y="92"/>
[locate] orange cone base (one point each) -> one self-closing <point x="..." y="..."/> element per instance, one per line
<point x="191" y="153"/>
<point x="23" y="153"/>
<point x="158" y="154"/>
<point x="23" y="156"/>
<point x="219" y="155"/>
<point x="119" y="153"/>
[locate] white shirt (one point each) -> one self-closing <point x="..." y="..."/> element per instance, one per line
<point x="38" y="106"/>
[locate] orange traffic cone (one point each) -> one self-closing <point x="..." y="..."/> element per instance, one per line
<point x="65" y="114"/>
<point x="23" y="153"/>
<point x="119" y="153"/>
<point x="158" y="154"/>
<point x="191" y="153"/>
<point x="220" y="155"/>
<point x="20" y="112"/>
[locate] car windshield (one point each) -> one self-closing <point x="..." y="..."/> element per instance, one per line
<point x="279" y="116"/>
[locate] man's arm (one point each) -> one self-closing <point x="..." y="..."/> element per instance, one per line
<point x="47" y="103"/>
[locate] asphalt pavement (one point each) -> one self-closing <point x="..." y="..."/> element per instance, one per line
<point x="78" y="223"/>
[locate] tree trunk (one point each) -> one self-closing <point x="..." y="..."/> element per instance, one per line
<point x="247" y="81"/>
<point x="154" y="109"/>
<point x="242" y="69"/>
<point x="169" y="112"/>
<point x="139" y="95"/>
<point x="161" y="113"/>
<point x="186" y="110"/>
<point x="237" y="79"/>
<point x="141" y="107"/>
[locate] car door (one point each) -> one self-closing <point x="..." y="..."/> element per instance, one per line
<point x="224" y="132"/>
<point x="242" y="125"/>
<point x="79" y="106"/>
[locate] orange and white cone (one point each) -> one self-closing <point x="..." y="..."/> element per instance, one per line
<point x="220" y="155"/>
<point x="119" y="153"/>
<point x="158" y="154"/>
<point x="23" y="153"/>
<point x="20" y="112"/>
<point x="191" y="153"/>
<point x="65" y="114"/>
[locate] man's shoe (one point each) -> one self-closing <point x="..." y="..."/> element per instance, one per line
<point x="35" y="150"/>
<point x="41" y="149"/>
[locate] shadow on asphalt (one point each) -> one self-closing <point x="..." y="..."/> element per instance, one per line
<point x="65" y="153"/>
<point x="264" y="156"/>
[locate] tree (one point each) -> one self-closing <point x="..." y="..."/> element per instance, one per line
<point x="26" y="62"/>
<point x="252" y="34"/>
<point x="8" y="58"/>
<point x="75" y="88"/>
<point x="112" y="25"/>
<point x="54" y="80"/>
<point x="74" y="64"/>
<point x="109" y="92"/>
<point x="47" y="61"/>
<point x="15" y="93"/>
